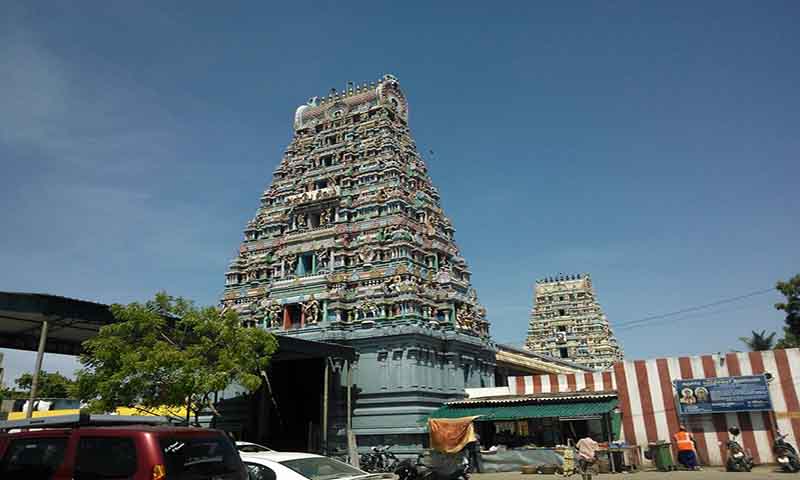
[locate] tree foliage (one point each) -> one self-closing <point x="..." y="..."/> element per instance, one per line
<point x="791" y="290"/>
<point x="168" y="352"/>
<point x="759" y="341"/>
<point x="49" y="385"/>
<point x="789" y="340"/>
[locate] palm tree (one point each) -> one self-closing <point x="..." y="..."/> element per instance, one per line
<point x="759" y="341"/>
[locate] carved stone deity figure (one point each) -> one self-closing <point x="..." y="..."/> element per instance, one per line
<point x="409" y="285"/>
<point x="291" y="263"/>
<point x="465" y="317"/>
<point x="325" y="217"/>
<point x="392" y="284"/>
<point x="430" y="226"/>
<point x="323" y="257"/>
<point x="269" y="311"/>
<point x="273" y="317"/>
<point x="366" y="255"/>
<point x="311" y="310"/>
<point x="301" y="221"/>
<point x="472" y="294"/>
<point x="261" y="221"/>
<point x="369" y="309"/>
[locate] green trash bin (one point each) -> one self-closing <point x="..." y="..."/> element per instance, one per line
<point x="661" y="454"/>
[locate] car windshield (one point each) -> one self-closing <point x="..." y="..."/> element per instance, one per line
<point x="321" y="468"/>
<point x="252" y="448"/>
<point x="196" y="458"/>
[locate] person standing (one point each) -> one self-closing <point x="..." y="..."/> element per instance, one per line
<point x="474" y="454"/>
<point x="587" y="451"/>
<point x="687" y="454"/>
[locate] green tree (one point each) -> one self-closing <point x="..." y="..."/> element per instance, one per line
<point x="759" y="341"/>
<point x="789" y="340"/>
<point x="50" y="385"/>
<point x="168" y="352"/>
<point x="791" y="290"/>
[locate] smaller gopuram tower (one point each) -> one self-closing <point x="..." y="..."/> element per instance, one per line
<point x="567" y="322"/>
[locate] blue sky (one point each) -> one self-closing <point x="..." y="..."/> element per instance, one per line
<point x="652" y="145"/>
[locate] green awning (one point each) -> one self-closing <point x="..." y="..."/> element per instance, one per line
<point x="489" y="412"/>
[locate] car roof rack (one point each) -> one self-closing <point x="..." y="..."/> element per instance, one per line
<point x="83" y="419"/>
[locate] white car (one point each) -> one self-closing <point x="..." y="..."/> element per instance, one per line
<point x="248" y="447"/>
<point x="302" y="466"/>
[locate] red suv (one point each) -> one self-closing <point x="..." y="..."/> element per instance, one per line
<point x="96" y="448"/>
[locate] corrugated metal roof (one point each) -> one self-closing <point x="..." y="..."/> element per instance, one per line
<point x="516" y="412"/>
<point x="535" y="398"/>
<point x="544" y="358"/>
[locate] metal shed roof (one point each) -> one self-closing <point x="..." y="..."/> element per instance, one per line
<point x="72" y="321"/>
<point x="520" y="411"/>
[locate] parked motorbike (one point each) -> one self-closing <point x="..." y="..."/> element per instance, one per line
<point x="422" y="470"/>
<point x="378" y="460"/>
<point x="738" y="460"/>
<point x="785" y="454"/>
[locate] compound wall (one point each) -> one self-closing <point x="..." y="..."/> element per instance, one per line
<point x="647" y="399"/>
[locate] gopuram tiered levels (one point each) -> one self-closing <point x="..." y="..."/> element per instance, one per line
<point x="567" y="322"/>
<point x="350" y="245"/>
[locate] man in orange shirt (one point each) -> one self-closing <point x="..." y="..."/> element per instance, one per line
<point x="687" y="456"/>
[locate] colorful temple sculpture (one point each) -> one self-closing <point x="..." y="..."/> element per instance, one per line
<point x="350" y="245"/>
<point x="567" y="322"/>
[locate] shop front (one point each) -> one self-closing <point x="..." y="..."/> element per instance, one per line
<point x="517" y="430"/>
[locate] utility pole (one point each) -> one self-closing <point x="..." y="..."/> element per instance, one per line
<point x="35" y="381"/>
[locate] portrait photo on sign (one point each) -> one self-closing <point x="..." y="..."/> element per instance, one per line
<point x="687" y="397"/>
<point x="702" y="395"/>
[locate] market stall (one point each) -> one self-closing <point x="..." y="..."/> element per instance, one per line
<point x="524" y="430"/>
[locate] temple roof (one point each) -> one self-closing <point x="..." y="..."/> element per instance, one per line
<point x="355" y="97"/>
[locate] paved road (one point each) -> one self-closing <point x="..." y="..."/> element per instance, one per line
<point x="706" y="474"/>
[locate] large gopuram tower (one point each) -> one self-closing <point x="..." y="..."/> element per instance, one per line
<point x="350" y="245"/>
<point x="567" y="322"/>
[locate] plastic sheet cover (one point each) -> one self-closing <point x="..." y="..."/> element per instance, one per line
<point x="514" y="460"/>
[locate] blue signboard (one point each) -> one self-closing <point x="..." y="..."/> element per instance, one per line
<point x="724" y="394"/>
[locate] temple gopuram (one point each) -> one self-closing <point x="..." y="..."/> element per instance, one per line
<point x="568" y="323"/>
<point x="350" y="245"/>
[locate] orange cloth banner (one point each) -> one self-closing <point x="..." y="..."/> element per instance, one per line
<point x="451" y="435"/>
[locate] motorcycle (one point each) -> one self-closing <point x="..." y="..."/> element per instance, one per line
<point x="738" y="460"/>
<point x="785" y="454"/>
<point x="378" y="460"/>
<point x="448" y="467"/>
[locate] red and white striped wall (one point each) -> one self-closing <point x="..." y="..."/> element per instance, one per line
<point x="648" y="407"/>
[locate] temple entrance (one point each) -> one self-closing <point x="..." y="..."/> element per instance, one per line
<point x="294" y="409"/>
<point x="288" y="412"/>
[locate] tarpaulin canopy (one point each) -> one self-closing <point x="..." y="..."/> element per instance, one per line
<point x="451" y="435"/>
<point x="518" y="411"/>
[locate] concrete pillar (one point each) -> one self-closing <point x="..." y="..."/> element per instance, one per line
<point x="325" y="408"/>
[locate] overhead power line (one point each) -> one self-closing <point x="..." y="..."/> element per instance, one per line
<point x="652" y="318"/>
<point x="704" y="314"/>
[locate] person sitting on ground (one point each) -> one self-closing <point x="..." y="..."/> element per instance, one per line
<point x="685" y="443"/>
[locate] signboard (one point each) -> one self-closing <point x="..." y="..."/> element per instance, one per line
<point x="724" y="394"/>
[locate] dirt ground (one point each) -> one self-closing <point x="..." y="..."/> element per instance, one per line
<point x="710" y="473"/>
